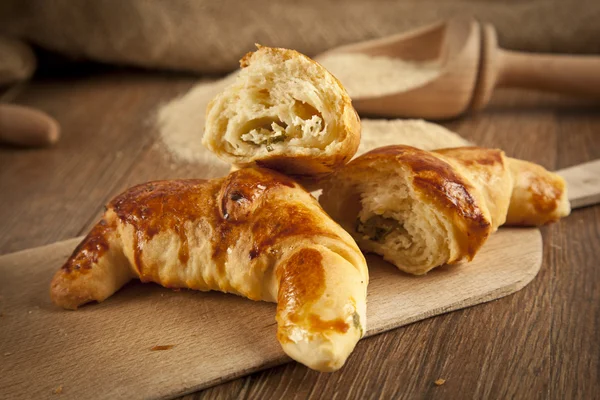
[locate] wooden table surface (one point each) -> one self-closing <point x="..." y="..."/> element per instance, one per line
<point x="540" y="343"/>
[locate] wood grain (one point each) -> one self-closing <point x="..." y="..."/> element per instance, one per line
<point x="572" y="255"/>
<point x="208" y="337"/>
<point x="539" y="343"/>
<point x="584" y="183"/>
<point x="105" y="129"/>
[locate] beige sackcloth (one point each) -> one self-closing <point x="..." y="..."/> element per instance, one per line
<point x="211" y="35"/>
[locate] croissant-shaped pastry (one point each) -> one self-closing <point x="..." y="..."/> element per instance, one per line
<point x="537" y="196"/>
<point x="254" y="233"/>
<point x="421" y="209"/>
<point x="285" y="112"/>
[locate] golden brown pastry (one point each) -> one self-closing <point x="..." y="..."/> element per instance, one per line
<point x="487" y="172"/>
<point x="254" y="233"/>
<point x="538" y="196"/>
<point x="421" y="209"/>
<point x="284" y="112"/>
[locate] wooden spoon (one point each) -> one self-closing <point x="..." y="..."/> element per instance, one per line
<point x="471" y="66"/>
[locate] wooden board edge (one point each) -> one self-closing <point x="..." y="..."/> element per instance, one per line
<point x="60" y="243"/>
<point x="583" y="183"/>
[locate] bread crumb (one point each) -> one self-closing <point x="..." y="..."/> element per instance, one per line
<point x="58" y="390"/>
<point x="440" y="382"/>
<point x="7" y="354"/>
<point x="163" y="347"/>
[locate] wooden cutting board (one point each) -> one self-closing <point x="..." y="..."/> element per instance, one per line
<point x="105" y="350"/>
<point x="108" y="350"/>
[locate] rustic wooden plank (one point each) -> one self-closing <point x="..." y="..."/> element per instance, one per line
<point x="575" y="358"/>
<point x="574" y="253"/>
<point x="50" y="194"/>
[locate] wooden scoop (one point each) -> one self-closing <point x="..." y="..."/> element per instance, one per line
<point x="471" y="66"/>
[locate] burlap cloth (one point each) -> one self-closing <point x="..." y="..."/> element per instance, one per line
<point x="211" y="35"/>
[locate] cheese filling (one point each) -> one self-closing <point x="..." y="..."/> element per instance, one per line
<point x="278" y="131"/>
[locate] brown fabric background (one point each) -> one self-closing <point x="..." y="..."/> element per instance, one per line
<point x="211" y="35"/>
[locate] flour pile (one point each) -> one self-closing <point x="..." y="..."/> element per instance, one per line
<point x="412" y="132"/>
<point x="369" y="76"/>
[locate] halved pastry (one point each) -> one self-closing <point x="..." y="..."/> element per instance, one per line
<point x="254" y="233"/>
<point x="285" y="112"/>
<point x="421" y="209"/>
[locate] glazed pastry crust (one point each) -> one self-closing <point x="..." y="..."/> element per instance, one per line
<point x="538" y="197"/>
<point x="436" y="213"/>
<point x="422" y="209"/>
<point x="254" y="233"/>
<point x="488" y="172"/>
<point x="285" y="112"/>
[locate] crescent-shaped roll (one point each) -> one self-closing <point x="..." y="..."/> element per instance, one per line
<point x="285" y="112"/>
<point x="538" y="196"/>
<point x="421" y="209"/>
<point x="254" y="233"/>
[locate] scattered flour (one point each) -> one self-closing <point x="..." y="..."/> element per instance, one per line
<point x="412" y="132"/>
<point x="368" y="76"/>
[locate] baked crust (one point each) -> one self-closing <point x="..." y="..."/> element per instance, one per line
<point x="422" y="209"/>
<point x="488" y="171"/>
<point x="438" y="192"/>
<point x="254" y="233"/>
<point x="286" y="88"/>
<point x="538" y="197"/>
